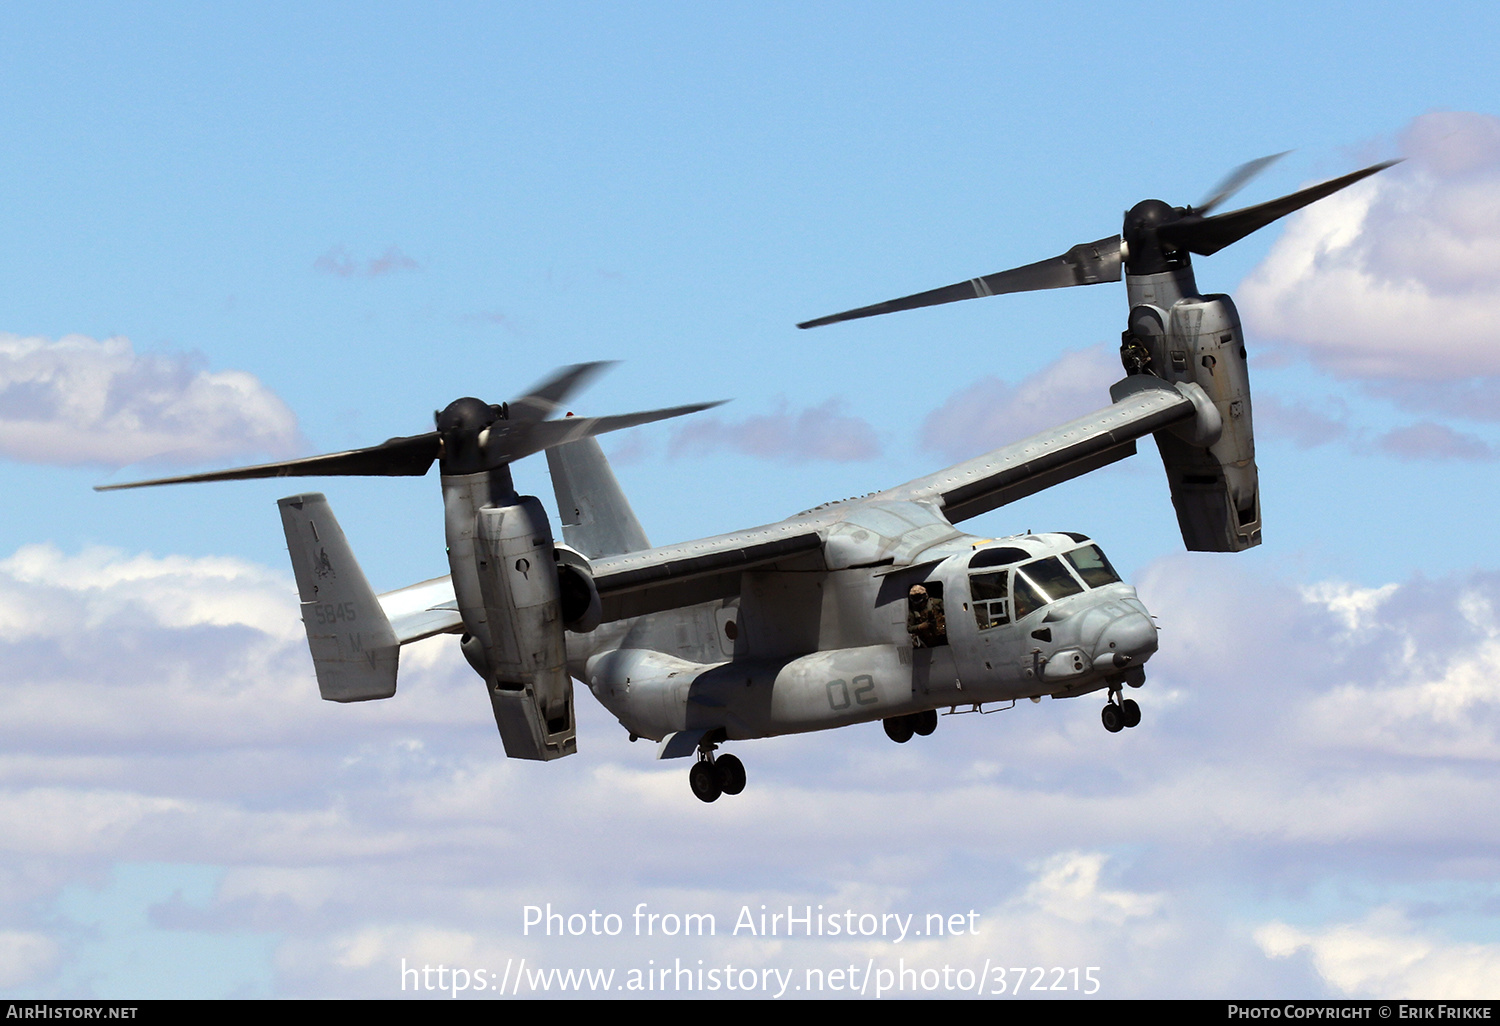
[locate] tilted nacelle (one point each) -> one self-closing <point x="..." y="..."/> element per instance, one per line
<point x="505" y="578"/>
<point x="1210" y="461"/>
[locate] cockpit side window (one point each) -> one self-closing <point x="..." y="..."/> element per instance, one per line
<point x="1028" y="599"/>
<point x="1092" y="566"/>
<point x="1034" y="584"/>
<point x="1052" y="578"/>
<point x="987" y="592"/>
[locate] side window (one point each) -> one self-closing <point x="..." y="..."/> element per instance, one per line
<point x="987" y="593"/>
<point x="1028" y="599"/>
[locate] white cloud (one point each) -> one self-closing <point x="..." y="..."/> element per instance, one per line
<point x="162" y="711"/>
<point x="991" y="413"/>
<point x="340" y="263"/>
<point x="98" y="585"/>
<point x="79" y="401"/>
<point x="1437" y="701"/>
<point x="1397" y="276"/>
<point x="822" y="432"/>
<point x="24" y="956"/>
<point x="1422" y="440"/>
<point x="1356" y="607"/>
<point x="1304" y="425"/>
<point x="1068" y="886"/>
<point x="1426" y="440"/>
<point x="1385" y="956"/>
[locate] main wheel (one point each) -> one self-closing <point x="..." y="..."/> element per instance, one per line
<point x="1114" y="719"/>
<point x="924" y="723"/>
<point x="898" y="729"/>
<point x="704" y="781"/>
<point x="1131" y="712"/>
<point x="731" y="774"/>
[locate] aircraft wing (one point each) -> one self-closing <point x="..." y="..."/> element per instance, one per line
<point x="990" y="481"/>
<point x="637" y="583"/>
<point x="651" y="580"/>
<point x="633" y="584"/>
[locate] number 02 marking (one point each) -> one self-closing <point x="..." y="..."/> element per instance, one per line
<point x="839" y="695"/>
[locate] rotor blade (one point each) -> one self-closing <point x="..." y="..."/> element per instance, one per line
<point x="1085" y="264"/>
<point x="544" y="399"/>
<point x="523" y="440"/>
<point x="1208" y="235"/>
<point x="1235" y="181"/>
<point x="397" y="457"/>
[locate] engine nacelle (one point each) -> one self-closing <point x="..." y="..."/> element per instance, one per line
<point x="525" y="652"/>
<point x="1215" y="486"/>
<point x="505" y="579"/>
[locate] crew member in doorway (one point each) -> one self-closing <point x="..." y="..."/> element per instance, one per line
<point x="924" y="618"/>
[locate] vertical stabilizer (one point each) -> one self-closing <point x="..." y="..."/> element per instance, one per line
<point x="596" y="517"/>
<point x="354" y="649"/>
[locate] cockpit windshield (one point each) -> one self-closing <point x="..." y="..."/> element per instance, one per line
<point x="1033" y="585"/>
<point x="1052" y="578"/>
<point x="1092" y="566"/>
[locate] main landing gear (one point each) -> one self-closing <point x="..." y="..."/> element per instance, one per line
<point x="900" y="728"/>
<point x="712" y="777"/>
<point x="1120" y="713"/>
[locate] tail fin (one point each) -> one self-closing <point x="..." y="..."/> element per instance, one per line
<point x="596" y="517"/>
<point x="354" y="648"/>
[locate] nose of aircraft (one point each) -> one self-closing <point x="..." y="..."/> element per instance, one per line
<point x="1129" y="640"/>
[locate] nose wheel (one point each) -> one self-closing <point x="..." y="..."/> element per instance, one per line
<point x="1119" y="714"/>
<point x="710" y="777"/>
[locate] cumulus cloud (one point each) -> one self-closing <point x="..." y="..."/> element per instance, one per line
<point x="991" y="412"/>
<point x="167" y="773"/>
<point x="1427" y="440"/>
<point x="79" y="401"/>
<point x="632" y="447"/>
<point x="1304" y="425"/>
<point x="1438" y="704"/>
<point x="1397" y="276"/>
<point x="1386" y="956"/>
<point x="1475" y="398"/>
<point x="340" y="263"/>
<point x="1308" y="427"/>
<point x="1356" y="607"/>
<point x="24" y="956"/>
<point x="822" y="432"/>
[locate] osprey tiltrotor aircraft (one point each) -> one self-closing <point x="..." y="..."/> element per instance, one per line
<point x="875" y="608"/>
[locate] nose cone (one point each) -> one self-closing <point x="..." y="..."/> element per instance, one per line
<point x="1129" y="640"/>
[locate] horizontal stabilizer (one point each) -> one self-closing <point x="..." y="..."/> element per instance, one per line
<point x="354" y="648"/>
<point x="420" y="611"/>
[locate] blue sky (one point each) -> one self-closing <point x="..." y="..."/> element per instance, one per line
<point x="244" y="231"/>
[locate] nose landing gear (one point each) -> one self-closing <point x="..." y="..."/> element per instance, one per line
<point x="1119" y="714"/>
<point x="712" y="777"/>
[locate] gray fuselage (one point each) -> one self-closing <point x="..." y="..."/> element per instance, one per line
<point x="801" y="650"/>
